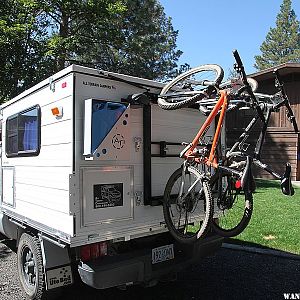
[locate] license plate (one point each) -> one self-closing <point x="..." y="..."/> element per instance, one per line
<point x="163" y="253"/>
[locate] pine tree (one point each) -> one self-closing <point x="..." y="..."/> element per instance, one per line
<point x="140" y="42"/>
<point x="22" y="44"/>
<point x="282" y="43"/>
<point x="41" y="37"/>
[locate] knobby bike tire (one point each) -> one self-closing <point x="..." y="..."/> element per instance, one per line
<point x="217" y="224"/>
<point x="252" y="82"/>
<point x="166" y="103"/>
<point x="292" y="117"/>
<point x="180" y="234"/>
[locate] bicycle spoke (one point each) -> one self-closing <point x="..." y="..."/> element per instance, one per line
<point x="232" y="205"/>
<point x="185" y="214"/>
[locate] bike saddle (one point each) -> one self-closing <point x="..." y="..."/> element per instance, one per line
<point x="286" y="182"/>
<point x="247" y="179"/>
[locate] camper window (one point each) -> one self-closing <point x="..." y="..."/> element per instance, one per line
<point x="23" y="133"/>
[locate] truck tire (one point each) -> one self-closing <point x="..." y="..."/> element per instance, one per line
<point x="30" y="266"/>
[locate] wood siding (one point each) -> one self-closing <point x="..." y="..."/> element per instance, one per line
<point x="292" y="86"/>
<point x="281" y="144"/>
<point x="279" y="148"/>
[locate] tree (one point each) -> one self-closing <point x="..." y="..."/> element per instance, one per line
<point x="282" y="43"/>
<point x="41" y="37"/>
<point x="142" y="42"/>
<point x="22" y="46"/>
<point x="71" y="26"/>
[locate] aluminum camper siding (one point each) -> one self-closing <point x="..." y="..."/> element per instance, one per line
<point x="174" y="126"/>
<point x="41" y="183"/>
<point x="52" y="191"/>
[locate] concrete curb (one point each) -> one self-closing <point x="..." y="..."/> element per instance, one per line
<point x="261" y="251"/>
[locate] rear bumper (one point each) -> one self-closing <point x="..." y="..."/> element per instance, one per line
<point x="136" y="266"/>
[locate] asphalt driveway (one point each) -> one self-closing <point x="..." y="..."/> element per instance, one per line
<point x="229" y="274"/>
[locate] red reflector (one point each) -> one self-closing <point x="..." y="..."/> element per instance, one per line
<point x="238" y="184"/>
<point x="63" y="85"/>
<point x="94" y="251"/>
<point x="103" y="248"/>
<point x="85" y="253"/>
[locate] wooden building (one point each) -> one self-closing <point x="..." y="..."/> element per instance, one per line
<point x="282" y="143"/>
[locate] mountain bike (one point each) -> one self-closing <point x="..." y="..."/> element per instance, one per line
<point x="230" y="178"/>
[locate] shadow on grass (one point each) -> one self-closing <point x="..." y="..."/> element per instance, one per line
<point x="255" y="245"/>
<point x="267" y="184"/>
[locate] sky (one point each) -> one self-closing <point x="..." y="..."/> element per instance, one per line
<point x="209" y="30"/>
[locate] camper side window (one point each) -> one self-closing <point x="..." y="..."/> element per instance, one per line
<point x="23" y="133"/>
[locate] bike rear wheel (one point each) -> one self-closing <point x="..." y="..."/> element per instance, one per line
<point x="187" y="205"/>
<point x="228" y="84"/>
<point x="231" y="204"/>
<point x="188" y="87"/>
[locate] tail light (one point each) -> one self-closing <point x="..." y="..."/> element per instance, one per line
<point x="93" y="251"/>
<point x="238" y="184"/>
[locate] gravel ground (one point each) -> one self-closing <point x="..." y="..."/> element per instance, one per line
<point x="229" y="274"/>
<point x="9" y="284"/>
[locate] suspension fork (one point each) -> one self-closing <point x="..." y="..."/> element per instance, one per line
<point x="262" y="136"/>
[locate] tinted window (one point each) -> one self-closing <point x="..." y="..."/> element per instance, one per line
<point x="23" y="133"/>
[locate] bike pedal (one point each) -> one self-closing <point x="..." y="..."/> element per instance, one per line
<point x="286" y="182"/>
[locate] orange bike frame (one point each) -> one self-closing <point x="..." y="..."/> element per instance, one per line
<point x="221" y="104"/>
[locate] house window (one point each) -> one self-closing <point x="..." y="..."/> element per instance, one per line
<point x="23" y="133"/>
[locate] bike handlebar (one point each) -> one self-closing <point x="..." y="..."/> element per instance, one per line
<point x="289" y="112"/>
<point x="252" y="98"/>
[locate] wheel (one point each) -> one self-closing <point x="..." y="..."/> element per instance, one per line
<point x="228" y="84"/>
<point x="187" y="205"/>
<point x="253" y="83"/>
<point x="187" y="88"/>
<point x="233" y="207"/>
<point x="30" y="266"/>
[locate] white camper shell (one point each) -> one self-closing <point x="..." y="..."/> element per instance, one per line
<point x="85" y="160"/>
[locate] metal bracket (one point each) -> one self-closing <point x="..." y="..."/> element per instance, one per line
<point x="137" y="143"/>
<point x="138" y="195"/>
<point x="51" y="84"/>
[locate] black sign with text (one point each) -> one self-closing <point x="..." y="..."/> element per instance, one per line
<point x="108" y="195"/>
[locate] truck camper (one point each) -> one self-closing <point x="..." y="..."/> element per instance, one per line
<point x="85" y="158"/>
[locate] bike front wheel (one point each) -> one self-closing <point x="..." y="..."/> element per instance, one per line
<point x="187" y="205"/>
<point x="188" y="87"/>
<point x="232" y="206"/>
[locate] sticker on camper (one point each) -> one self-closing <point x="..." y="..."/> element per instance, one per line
<point x="118" y="141"/>
<point x="59" y="277"/>
<point x="108" y="195"/>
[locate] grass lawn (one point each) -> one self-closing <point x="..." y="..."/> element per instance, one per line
<point x="275" y="221"/>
